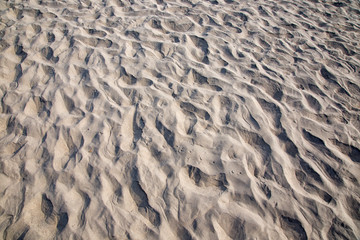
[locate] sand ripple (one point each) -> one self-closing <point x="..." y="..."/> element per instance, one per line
<point x="179" y="119"/>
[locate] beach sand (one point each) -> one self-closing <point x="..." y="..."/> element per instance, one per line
<point x="129" y="119"/>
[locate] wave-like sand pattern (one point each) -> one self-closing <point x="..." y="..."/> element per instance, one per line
<point x="179" y="119"/>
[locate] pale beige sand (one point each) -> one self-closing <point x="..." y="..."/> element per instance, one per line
<point x="179" y="119"/>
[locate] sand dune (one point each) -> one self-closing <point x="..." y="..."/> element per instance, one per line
<point x="179" y="119"/>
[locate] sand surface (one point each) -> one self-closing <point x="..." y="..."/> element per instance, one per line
<point x="183" y="119"/>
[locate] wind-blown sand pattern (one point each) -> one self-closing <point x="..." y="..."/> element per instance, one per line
<point x="179" y="119"/>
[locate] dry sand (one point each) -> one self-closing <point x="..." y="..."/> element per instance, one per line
<point x="179" y="119"/>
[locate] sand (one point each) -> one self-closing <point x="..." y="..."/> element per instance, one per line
<point x="179" y="119"/>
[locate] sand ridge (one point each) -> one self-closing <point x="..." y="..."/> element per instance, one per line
<point x="179" y="119"/>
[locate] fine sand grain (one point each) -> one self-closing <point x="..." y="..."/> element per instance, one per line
<point x="181" y="119"/>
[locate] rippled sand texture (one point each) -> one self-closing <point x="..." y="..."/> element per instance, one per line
<point x="179" y="119"/>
